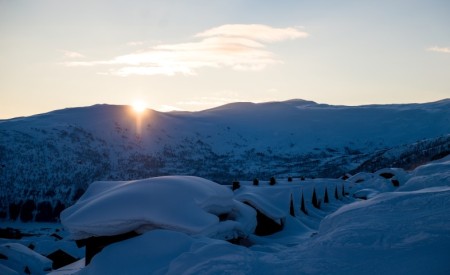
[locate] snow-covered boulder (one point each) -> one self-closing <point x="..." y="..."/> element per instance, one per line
<point x="186" y="204"/>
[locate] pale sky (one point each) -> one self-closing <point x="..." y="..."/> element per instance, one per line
<point x="194" y="55"/>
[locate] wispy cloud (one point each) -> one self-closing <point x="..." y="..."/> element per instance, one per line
<point x="72" y="54"/>
<point x="239" y="47"/>
<point x="135" y="43"/>
<point x="256" y="32"/>
<point x="439" y="49"/>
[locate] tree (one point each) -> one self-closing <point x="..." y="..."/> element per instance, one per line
<point x="289" y="178"/>
<point x="291" y="208"/>
<point x="303" y="207"/>
<point x="272" y="181"/>
<point x="325" y="197"/>
<point x="255" y="181"/>
<point x="26" y="214"/>
<point x="315" y="201"/>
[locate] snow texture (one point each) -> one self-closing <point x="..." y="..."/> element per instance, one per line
<point x="180" y="203"/>
<point x="21" y="258"/>
<point x="393" y="232"/>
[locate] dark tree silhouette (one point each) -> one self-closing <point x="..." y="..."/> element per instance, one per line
<point x="255" y="181"/>
<point x="291" y="208"/>
<point x="315" y="201"/>
<point x="272" y="181"/>
<point x="26" y="214"/>
<point x="325" y="197"/>
<point x="303" y="207"/>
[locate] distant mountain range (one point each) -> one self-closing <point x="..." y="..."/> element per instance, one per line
<point x="48" y="160"/>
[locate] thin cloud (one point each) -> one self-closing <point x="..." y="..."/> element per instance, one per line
<point x="135" y="43"/>
<point x="239" y="47"/>
<point x="72" y="54"/>
<point x="439" y="49"/>
<point x="255" y="32"/>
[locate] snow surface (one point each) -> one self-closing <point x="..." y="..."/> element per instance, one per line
<point x="181" y="203"/>
<point x="397" y="230"/>
<point x="392" y="233"/>
<point x="20" y="257"/>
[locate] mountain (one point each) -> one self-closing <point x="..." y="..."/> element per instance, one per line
<point x="48" y="160"/>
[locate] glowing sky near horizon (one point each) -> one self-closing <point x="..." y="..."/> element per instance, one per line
<point x="193" y="55"/>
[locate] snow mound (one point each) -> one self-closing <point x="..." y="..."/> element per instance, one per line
<point x="168" y="252"/>
<point x="392" y="233"/>
<point x="21" y="259"/>
<point x="181" y="203"/>
<point x="429" y="175"/>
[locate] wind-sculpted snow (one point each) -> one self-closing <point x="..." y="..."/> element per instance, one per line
<point x="402" y="229"/>
<point x="181" y="203"/>
<point x="391" y="233"/>
<point x="21" y="258"/>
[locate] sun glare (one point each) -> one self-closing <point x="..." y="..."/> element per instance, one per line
<point x="138" y="106"/>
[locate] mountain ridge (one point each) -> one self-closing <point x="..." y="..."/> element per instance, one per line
<point x="54" y="156"/>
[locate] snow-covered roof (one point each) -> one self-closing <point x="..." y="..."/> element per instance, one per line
<point x="180" y="203"/>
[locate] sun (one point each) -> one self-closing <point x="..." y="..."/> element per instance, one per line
<point x="138" y="106"/>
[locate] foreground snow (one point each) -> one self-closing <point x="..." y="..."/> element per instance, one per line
<point x="396" y="230"/>
<point x="394" y="233"/>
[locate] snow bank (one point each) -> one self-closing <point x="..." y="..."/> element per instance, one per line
<point x="429" y="175"/>
<point x="180" y="203"/>
<point x="20" y="259"/>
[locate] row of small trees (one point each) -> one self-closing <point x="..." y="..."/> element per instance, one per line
<point x="316" y="202"/>
<point x="272" y="181"/>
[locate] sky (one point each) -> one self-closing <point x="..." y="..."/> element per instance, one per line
<point x="198" y="54"/>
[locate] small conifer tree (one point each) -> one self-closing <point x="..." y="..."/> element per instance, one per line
<point x="272" y="181"/>
<point x="289" y="178"/>
<point x="325" y="197"/>
<point x="291" y="208"/>
<point x="315" y="202"/>
<point x="303" y="207"/>
<point x="255" y="181"/>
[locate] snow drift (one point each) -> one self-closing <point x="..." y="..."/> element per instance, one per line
<point x="181" y="203"/>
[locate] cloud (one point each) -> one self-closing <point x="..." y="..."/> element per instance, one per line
<point x="135" y="43"/>
<point x="72" y="55"/>
<point x="239" y="47"/>
<point x="255" y="32"/>
<point x="439" y="49"/>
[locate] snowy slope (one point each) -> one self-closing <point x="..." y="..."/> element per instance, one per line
<point x="49" y="159"/>
<point x="395" y="232"/>
<point x="402" y="229"/>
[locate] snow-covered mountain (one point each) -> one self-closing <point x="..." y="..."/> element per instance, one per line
<point x="48" y="160"/>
